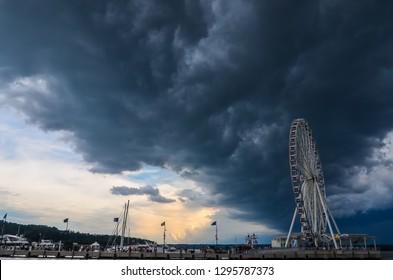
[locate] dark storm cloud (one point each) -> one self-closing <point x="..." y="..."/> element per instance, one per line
<point x="207" y="88"/>
<point x="152" y="193"/>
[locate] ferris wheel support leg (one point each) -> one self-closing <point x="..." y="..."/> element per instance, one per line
<point x="334" y="221"/>
<point x="290" y="228"/>
<point x="335" y="224"/>
<point x="315" y="225"/>
<point x="327" y="217"/>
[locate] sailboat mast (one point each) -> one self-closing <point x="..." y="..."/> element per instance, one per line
<point x="124" y="226"/>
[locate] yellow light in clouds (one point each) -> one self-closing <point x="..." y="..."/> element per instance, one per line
<point x="184" y="225"/>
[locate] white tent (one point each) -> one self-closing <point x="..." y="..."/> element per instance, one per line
<point x="95" y="246"/>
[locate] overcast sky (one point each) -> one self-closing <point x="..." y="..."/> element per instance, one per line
<point x="184" y="108"/>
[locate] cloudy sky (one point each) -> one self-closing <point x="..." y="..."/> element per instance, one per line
<point x="184" y="108"/>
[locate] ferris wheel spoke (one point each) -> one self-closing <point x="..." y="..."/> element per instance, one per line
<point x="305" y="165"/>
<point x="304" y="156"/>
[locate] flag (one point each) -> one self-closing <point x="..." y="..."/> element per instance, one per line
<point x="214" y="223"/>
<point x="163" y="224"/>
<point x="5" y="216"/>
<point x="116" y="220"/>
<point x="65" y="220"/>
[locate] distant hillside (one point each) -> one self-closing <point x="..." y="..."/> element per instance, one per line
<point x="35" y="232"/>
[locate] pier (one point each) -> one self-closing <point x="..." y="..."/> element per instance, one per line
<point x="270" y="254"/>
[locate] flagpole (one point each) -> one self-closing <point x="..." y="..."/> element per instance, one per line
<point x="215" y="224"/>
<point x="66" y="221"/>
<point x="4" y="220"/>
<point x="216" y="235"/>
<point x="164" y="237"/>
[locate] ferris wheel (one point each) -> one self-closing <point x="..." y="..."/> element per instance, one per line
<point x="308" y="187"/>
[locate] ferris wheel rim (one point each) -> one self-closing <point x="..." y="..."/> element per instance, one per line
<point x="306" y="170"/>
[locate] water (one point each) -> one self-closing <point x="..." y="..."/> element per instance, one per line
<point x="387" y="255"/>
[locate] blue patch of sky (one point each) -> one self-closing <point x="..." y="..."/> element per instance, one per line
<point x="19" y="136"/>
<point x="153" y="175"/>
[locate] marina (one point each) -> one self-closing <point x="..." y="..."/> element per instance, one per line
<point x="319" y="236"/>
<point x="269" y="254"/>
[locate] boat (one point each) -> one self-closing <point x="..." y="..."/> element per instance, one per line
<point x="46" y="244"/>
<point x="121" y="222"/>
<point x="14" y="240"/>
<point x="147" y="247"/>
<point x="250" y="246"/>
<point x="169" y="249"/>
<point x="252" y="240"/>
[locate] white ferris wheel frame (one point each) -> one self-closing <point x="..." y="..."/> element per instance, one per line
<point x="308" y="187"/>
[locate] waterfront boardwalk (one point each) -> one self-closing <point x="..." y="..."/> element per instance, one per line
<point x="269" y="254"/>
